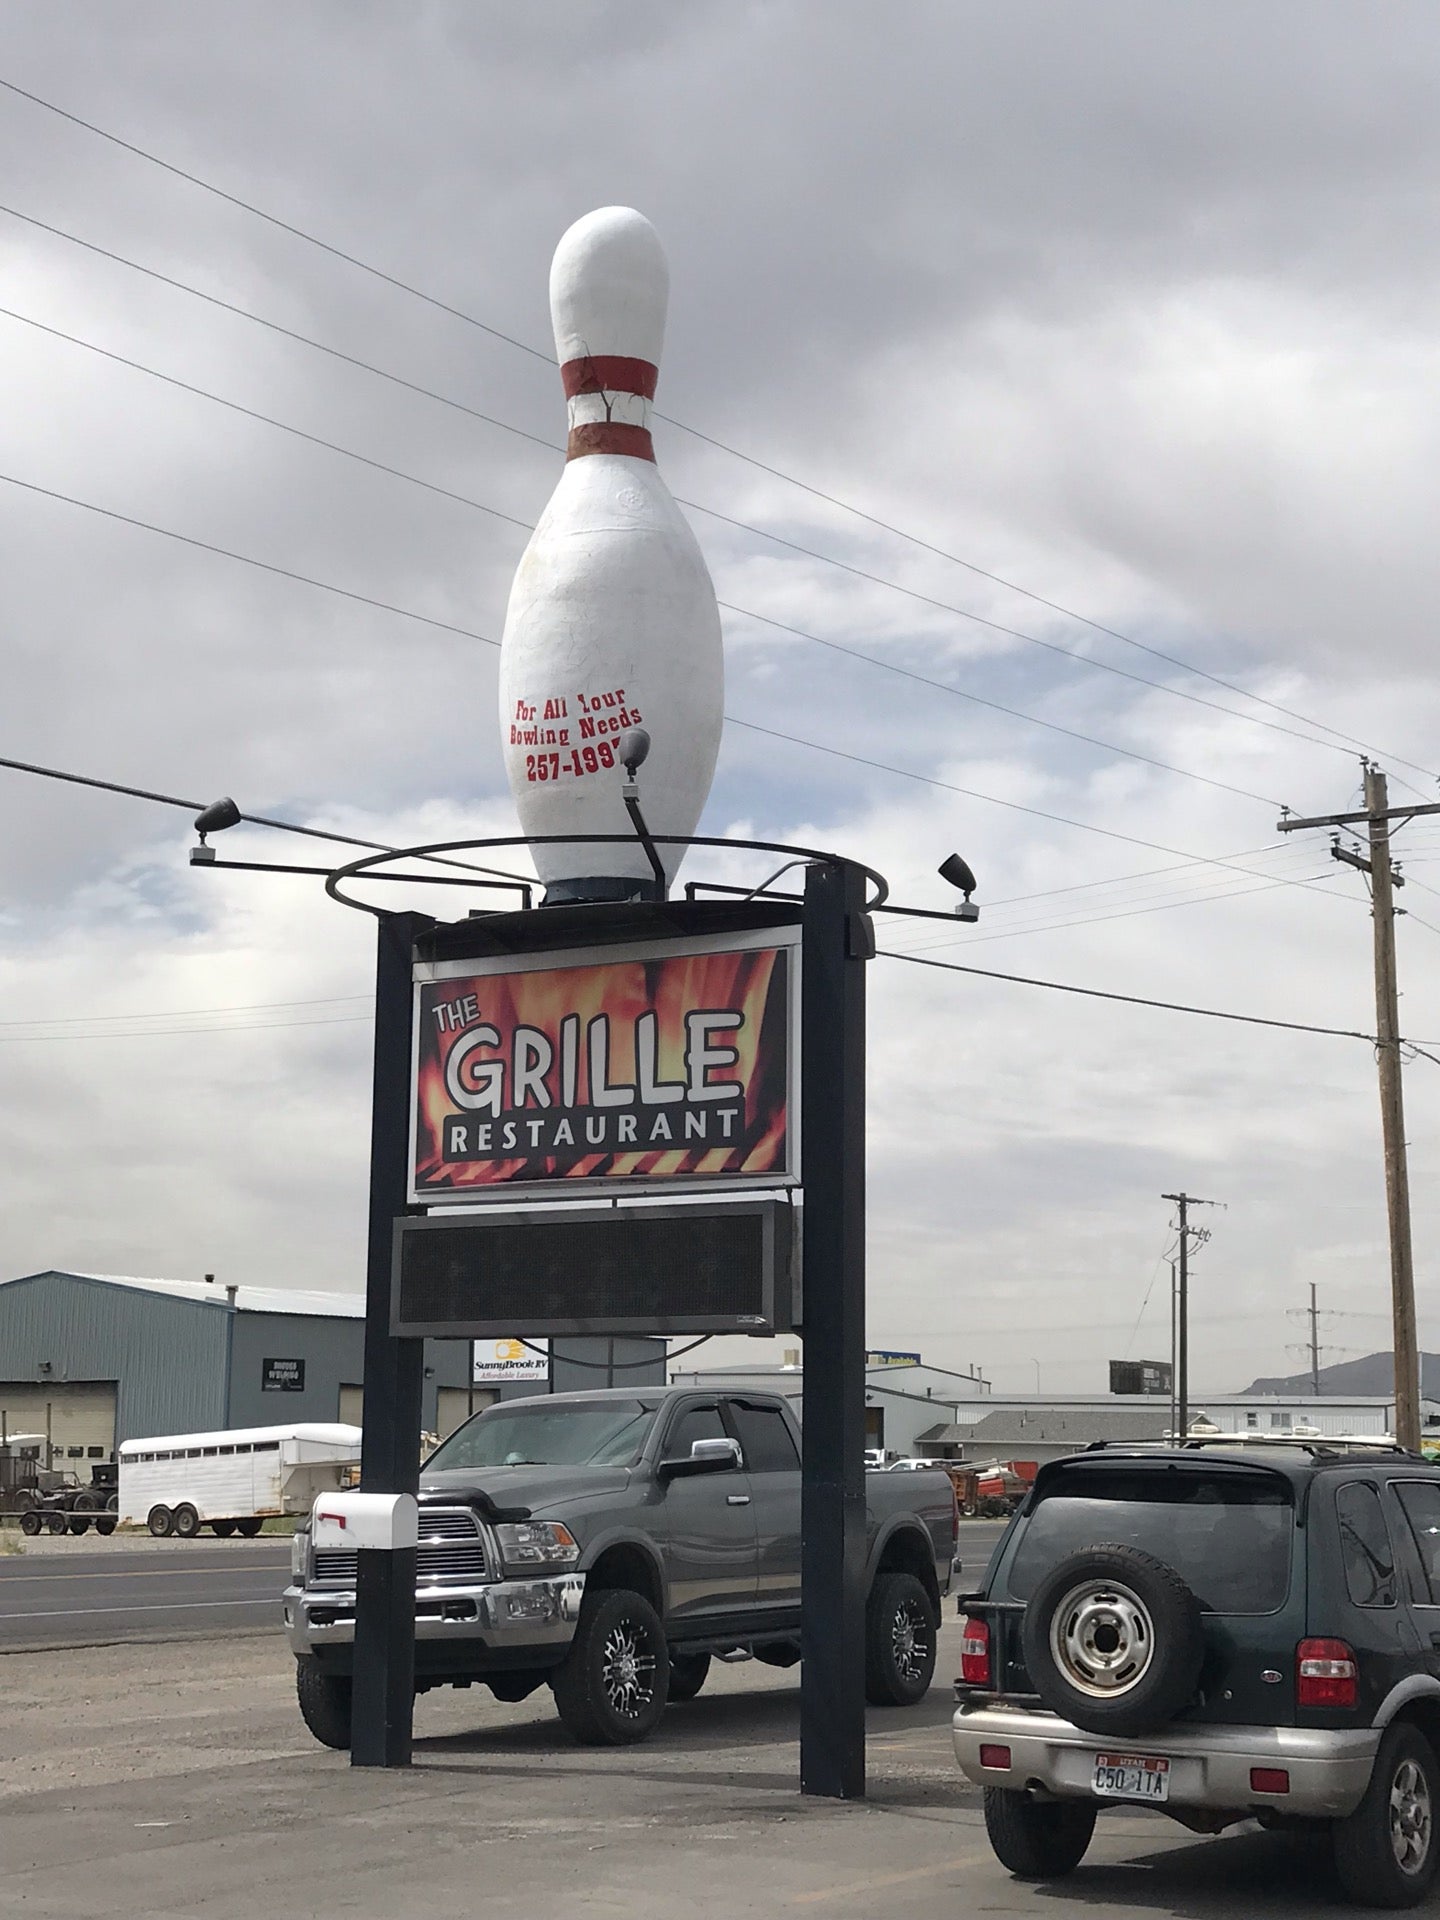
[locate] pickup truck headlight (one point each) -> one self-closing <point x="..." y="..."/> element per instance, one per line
<point x="528" y="1544"/>
<point x="300" y="1555"/>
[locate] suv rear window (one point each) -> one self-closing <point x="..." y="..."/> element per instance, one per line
<point x="1227" y="1535"/>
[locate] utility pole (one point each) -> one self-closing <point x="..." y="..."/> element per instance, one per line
<point x="1184" y="1201"/>
<point x="1384" y="878"/>
<point x="1314" y="1345"/>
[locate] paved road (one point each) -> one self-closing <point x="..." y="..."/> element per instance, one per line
<point x="69" y="1598"/>
<point x="120" y="1593"/>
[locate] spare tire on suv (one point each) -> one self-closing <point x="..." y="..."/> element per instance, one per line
<point x="1113" y="1640"/>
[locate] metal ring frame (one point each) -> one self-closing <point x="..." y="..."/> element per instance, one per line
<point x="371" y="863"/>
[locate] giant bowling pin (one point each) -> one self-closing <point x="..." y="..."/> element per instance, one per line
<point x="612" y="621"/>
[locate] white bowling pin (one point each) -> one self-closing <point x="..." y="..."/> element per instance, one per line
<point x="612" y="621"/>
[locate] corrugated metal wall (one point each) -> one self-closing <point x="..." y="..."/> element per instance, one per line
<point x="166" y="1356"/>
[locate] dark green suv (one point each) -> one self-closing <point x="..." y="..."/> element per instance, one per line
<point x="1223" y="1633"/>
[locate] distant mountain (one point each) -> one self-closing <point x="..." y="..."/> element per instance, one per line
<point x="1374" y="1374"/>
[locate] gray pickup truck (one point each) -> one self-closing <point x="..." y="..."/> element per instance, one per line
<point x="609" y="1545"/>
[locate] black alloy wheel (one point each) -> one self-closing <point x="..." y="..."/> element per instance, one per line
<point x="612" y="1685"/>
<point x="901" y="1628"/>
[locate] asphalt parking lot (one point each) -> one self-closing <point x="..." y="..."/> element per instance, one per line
<point x="176" y="1781"/>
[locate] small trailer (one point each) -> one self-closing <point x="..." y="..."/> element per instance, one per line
<point x="231" y="1482"/>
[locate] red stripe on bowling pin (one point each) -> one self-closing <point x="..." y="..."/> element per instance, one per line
<point x="609" y="373"/>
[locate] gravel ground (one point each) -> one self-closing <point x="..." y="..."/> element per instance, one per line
<point x="177" y="1783"/>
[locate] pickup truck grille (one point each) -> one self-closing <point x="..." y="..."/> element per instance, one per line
<point x="450" y="1549"/>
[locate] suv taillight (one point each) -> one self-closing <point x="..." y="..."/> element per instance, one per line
<point x="1324" y="1674"/>
<point x="975" y="1653"/>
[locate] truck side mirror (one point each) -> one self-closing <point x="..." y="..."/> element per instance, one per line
<point x="706" y="1456"/>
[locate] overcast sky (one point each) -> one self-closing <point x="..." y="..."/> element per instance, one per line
<point x="1131" y="306"/>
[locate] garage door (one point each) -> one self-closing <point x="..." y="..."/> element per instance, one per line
<point x="76" y="1416"/>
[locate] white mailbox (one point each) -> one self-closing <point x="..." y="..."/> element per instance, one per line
<point x="387" y="1521"/>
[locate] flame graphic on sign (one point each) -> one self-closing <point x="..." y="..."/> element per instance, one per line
<point x="752" y="982"/>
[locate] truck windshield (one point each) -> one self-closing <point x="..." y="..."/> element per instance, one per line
<point x="607" y="1434"/>
<point x="1226" y="1535"/>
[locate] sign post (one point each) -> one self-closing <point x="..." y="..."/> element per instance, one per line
<point x="837" y="942"/>
<point x="383" y="1696"/>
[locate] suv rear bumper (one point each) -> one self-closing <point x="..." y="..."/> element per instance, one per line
<point x="1209" y="1765"/>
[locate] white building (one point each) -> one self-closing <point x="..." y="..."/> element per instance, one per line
<point x="903" y="1397"/>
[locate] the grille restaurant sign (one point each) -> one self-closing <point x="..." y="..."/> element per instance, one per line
<point x="662" y="1066"/>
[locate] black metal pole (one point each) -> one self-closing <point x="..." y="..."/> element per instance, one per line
<point x="383" y="1693"/>
<point x="832" y="1677"/>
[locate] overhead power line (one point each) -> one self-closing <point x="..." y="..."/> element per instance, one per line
<point x="1098" y="919"/>
<point x="480" y="506"/>
<point x="753" y="726"/>
<point x="540" y="440"/>
<point x="253" y="819"/>
<point x="1130" y="999"/>
<point x="472" y="320"/>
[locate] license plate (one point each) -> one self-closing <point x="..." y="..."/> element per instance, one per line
<point x="1132" y="1776"/>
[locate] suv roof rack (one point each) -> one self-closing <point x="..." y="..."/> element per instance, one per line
<point x="1326" y="1446"/>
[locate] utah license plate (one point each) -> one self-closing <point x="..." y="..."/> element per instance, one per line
<point x="1132" y="1776"/>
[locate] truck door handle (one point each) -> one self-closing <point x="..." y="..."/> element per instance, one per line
<point x="743" y="1500"/>
<point x="1435" y="1639"/>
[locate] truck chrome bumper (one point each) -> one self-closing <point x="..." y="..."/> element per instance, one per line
<point x="506" y="1613"/>
<point x="1209" y="1765"/>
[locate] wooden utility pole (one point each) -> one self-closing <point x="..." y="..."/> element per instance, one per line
<point x="1184" y="1201"/>
<point x="1377" y="817"/>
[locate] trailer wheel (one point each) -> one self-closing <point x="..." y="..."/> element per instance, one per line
<point x="161" y="1522"/>
<point x="222" y="1529"/>
<point x="249" y="1527"/>
<point x="55" y="1521"/>
<point x="30" y="1522"/>
<point x="106" y="1525"/>
<point x="324" y="1703"/>
<point x="78" y="1523"/>
<point x="187" y="1521"/>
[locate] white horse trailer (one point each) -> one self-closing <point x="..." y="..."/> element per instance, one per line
<point x="231" y="1482"/>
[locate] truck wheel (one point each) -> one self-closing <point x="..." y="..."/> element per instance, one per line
<point x="1386" y="1851"/>
<point x="161" y="1522"/>
<point x="324" y="1703"/>
<point x="900" y="1630"/>
<point x="612" y="1685"/>
<point x="222" y="1529"/>
<point x="1037" y="1839"/>
<point x="688" y="1672"/>
<point x="250" y="1525"/>
<point x="1113" y="1640"/>
<point x="30" y="1522"/>
<point x="187" y="1522"/>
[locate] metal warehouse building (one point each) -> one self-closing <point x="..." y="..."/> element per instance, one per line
<point x="90" y="1359"/>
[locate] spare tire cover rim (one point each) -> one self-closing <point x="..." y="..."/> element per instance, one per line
<point x="1102" y="1638"/>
